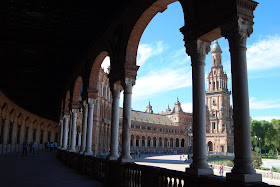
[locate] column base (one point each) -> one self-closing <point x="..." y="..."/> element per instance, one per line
<point x="72" y="150"/>
<point x="113" y="156"/>
<point x="199" y="171"/>
<point x="244" y="178"/>
<point x="81" y="152"/>
<point x="125" y="160"/>
<point x="88" y="153"/>
<point x="63" y="148"/>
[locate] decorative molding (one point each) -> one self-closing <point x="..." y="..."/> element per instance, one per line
<point x="198" y="49"/>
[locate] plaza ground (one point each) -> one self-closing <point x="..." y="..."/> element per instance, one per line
<point x="43" y="170"/>
<point x="173" y="162"/>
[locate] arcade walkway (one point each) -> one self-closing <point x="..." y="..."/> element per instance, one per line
<point x="41" y="170"/>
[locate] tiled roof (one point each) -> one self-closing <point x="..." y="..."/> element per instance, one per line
<point x="149" y="118"/>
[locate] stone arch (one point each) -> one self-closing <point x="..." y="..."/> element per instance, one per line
<point x="210" y="146"/>
<point x="140" y="26"/>
<point x="66" y="103"/>
<point x="137" y="141"/>
<point x="183" y="142"/>
<point x="160" y="142"/>
<point x="149" y="141"/>
<point x="77" y="93"/>
<point x="143" y="141"/>
<point x="177" y="142"/>
<point x="93" y="78"/>
<point x="171" y="142"/>
<point x="154" y="141"/>
<point x="165" y="142"/>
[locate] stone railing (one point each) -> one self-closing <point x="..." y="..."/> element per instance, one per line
<point x="114" y="173"/>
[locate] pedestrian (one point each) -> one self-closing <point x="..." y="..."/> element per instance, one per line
<point x="30" y="146"/>
<point x="34" y="147"/>
<point x="25" y="146"/>
<point x="51" y="149"/>
<point x="54" y="146"/>
<point x="180" y="157"/>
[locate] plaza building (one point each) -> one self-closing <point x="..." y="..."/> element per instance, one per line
<point x="54" y="89"/>
<point x="169" y="131"/>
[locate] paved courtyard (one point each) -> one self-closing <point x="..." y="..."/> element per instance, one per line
<point x="173" y="162"/>
<point x="42" y="170"/>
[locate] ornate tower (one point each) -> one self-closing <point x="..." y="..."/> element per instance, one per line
<point x="219" y="119"/>
<point x="149" y="108"/>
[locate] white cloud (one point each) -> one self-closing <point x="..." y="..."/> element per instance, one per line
<point x="106" y="63"/>
<point x="266" y="118"/>
<point x="145" y="51"/>
<point x="187" y="107"/>
<point x="265" y="104"/>
<point x="161" y="81"/>
<point x="264" y="54"/>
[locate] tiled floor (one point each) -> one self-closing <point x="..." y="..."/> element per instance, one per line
<point x="41" y="170"/>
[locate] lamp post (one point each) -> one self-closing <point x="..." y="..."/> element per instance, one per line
<point x="259" y="139"/>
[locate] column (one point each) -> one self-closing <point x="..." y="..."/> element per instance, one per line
<point x="127" y="86"/>
<point x="91" y="103"/>
<point x="61" y="134"/>
<point x="65" y="133"/>
<point x="151" y="143"/>
<point x="157" y="143"/>
<point x="69" y="131"/>
<point x="79" y="138"/>
<point x="198" y="49"/>
<point x="237" y="32"/>
<point x="146" y="142"/>
<point x="115" y="89"/>
<point x="73" y="133"/>
<point x="84" y="128"/>
<point x="134" y="141"/>
<point x="174" y="144"/>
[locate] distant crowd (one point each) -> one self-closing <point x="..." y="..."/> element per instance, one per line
<point x="33" y="146"/>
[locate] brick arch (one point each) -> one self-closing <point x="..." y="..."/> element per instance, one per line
<point x="66" y="103"/>
<point x="13" y="115"/>
<point x="77" y="92"/>
<point x="93" y="78"/>
<point x="140" y="26"/>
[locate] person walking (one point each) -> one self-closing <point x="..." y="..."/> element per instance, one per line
<point x="24" y="149"/>
<point x="51" y="149"/>
<point x="55" y="146"/>
<point x="34" y="147"/>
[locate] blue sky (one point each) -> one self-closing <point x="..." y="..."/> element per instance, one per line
<point x="165" y="70"/>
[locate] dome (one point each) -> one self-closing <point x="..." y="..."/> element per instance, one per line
<point x="216" y="47"/>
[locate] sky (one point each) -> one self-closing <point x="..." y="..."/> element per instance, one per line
<point x="165" y="68"/>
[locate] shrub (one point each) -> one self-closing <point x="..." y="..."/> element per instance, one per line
<point x="257" y="160"/>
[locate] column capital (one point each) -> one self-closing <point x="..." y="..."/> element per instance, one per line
<point x="198" y="49"/>
<point x="127" y="84"/>
<point x="74" y="111"/>
<point x="236" y="31"/>
<point x="116" y="89"/>
<point x="66" y="116"/>
<point x="91" y="102"/>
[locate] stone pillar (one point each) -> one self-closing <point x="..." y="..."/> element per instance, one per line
<point x="91" y="103"/>
<point x="127" y="86"/>
<point x="73" y="136"/>
<point x="162" y="143"/>
<point x="79" y="138"/>
<point x="146" y="142"/>
<point x="151" y="143"/>
<point x="69" y="132"/>
<point x="140" y="142"/>
<point x="84" y="129"/>
<point x="237" y="32"/>
<point x="65" y="133"/>
<point x="115" y="89"/>
<point x="198" y="49"/>
<point x="134" y="141"/>
<point x="61" y="134"/>
<point x="157" y="143"/>
<point x="174" y="143"/>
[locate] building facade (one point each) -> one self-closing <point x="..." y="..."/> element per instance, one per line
<point x="171" y="130"/>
